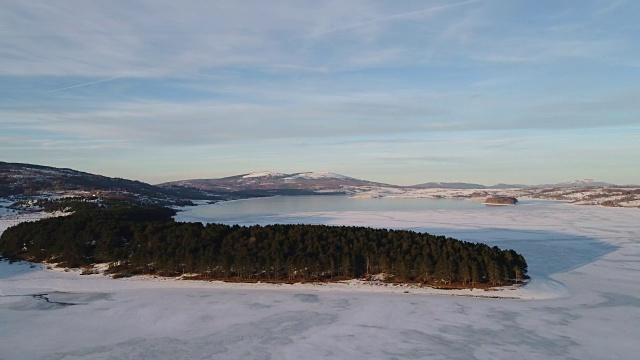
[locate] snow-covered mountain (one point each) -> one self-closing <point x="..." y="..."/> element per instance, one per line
<point x="262" y="174"/>
<point x="314" y="182"/>
<point x="459" y="185"/>
<point x="319" y="175"/>
<point x="576" y="183"/>
<point x="448" y="185"/>
<point x="28" y="179"/>
<point x="326" y="182"/>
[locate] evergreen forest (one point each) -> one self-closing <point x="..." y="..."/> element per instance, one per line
<point x="144" y="240"/>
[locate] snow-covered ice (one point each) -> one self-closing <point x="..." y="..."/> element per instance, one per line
<point x="584" y="261"/>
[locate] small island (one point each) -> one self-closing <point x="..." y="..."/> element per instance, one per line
<point x="134" y="240"/>
<point x="500" y="200"/>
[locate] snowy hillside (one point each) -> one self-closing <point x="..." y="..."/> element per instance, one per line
<point x="313" y="182"/>
<point x="17" y="179"/>
<point x="605" y="196"/>
<point x="576" y="183"/>
<point x="448" y="185"/>
<point x="20" y="179"/>
<point x="262" y="174"/>
<point x="582" y="192"/>
<point x="319" y="175"/>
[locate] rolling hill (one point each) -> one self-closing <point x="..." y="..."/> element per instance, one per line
<point x="29" y="179"/>
<point x="268" y="182"/>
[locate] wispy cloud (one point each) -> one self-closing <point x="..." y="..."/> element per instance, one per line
<point x="361" y="76"/>
<point x="369" y="115"/>
<point x="102" y="40"/>
<point x="408" y="15"/>
<point x="612" y="6"/>
<point x="85" y="84"/>
<point x="448" y="159"/>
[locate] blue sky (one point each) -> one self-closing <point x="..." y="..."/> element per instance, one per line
<point x="393" y="91"/>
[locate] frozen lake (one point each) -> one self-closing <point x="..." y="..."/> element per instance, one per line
<point x="586" y="260"/>
<point x="538" y="245"/>
<point x="253" y="211"/>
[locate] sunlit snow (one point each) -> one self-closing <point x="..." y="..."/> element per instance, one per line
<point x="319" y="175"/>
<point x="584" y="261"/>
<point x="262" y="174"/>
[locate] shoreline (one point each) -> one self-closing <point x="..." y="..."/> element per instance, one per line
<point x="579" y="303"/>
<point x="528" y="291"/>
<point x="140" y="282"/>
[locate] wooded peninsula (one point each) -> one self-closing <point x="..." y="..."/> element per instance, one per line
<point x="146" y="240"/>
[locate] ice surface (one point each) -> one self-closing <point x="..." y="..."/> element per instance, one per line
<point x="586" y="258"/>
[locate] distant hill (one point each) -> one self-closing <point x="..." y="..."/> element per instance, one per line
<point x="29" y="179"/>
<point x="458" y="185"/>
<point x="277" y="183"/>
<point x="575" y="183"/>
<point x="508" y="186"/>
<point x="447" y="185"/>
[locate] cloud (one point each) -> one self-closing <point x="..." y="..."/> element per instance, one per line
<point x="159" y="39"/>
<point x="360" y="76"/>
<point x="612" y="6"/>
<point x="409" y="15"/>
<point x="366" y="116"/>
<point x="204" y="122"/>
<point x="529" y="49"/>
<point x="444" y="159"/>
<point x="156" y="38"/>
<point x="47" y="144"/>
<point x="85" y="84"/>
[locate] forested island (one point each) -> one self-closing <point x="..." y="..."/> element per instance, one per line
<point x="501" y="200"/>
<point x="142" y="240"/>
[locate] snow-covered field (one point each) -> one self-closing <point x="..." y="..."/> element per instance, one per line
<point x="580" y="195"/>
<point x="585" y="263"/>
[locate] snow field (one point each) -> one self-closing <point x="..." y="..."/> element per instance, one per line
<point x="584" y="262"/>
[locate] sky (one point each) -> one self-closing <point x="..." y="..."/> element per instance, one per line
<point x="402" y="92"/>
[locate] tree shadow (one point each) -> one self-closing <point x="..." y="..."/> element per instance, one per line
<point x="12" y="269"/>
<point x="546" y="252"/>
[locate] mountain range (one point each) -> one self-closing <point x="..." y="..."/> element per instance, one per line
<point x="28" y="179"/>
<point x="336" y="183"/>
<point x="313" y="182"/>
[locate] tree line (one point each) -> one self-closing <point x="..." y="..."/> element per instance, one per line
<point x="135" y="240"/>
